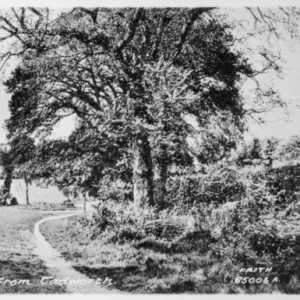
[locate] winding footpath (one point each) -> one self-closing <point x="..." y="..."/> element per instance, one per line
<point x="61" y="270"/>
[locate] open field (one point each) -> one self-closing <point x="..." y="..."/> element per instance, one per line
<point x="37" y="194"/>
<point x="18" y="262"/>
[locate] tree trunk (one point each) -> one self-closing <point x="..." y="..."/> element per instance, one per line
<point x="142" y="171"/>
<point x="162" y="172"/>
<point x="7" y="180"/>
<point x="26" y="183"/>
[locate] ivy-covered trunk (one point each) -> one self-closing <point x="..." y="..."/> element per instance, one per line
<point x="162" y="174"/>
<point x="142" y="171"/>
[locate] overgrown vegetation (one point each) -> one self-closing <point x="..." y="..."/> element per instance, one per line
<point x="192" y="246"/>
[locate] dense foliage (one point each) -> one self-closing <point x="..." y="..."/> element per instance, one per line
<point x="218" y="184"/>
<point x="134" y="79"/>
<point x="245" y="235"/>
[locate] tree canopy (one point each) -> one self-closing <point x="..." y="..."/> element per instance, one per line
<point x="134" y="78"/>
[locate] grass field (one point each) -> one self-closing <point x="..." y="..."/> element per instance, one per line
<point x="37" y="194"/>
<point x="17" y="259"/>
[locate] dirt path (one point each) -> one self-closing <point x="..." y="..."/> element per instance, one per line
<point x="59" y="267"/>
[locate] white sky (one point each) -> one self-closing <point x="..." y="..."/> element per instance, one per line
<point x="278" y="123"/>
<point x="283" y="123"/>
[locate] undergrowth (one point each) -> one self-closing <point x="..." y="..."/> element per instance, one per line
<point x="200" y="246"/>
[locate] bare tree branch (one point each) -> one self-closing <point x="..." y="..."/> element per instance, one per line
<point x="40" y="15"/>
<point x="256" y="19"/>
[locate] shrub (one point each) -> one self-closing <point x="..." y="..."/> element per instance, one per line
<point x="117" y="191"/>
<point x="14" y="201"/>
<point x="219" y="185"/>
<point x="247" y="240"/>
<point x="163" y="231"/>
<point x="119" y="222"/>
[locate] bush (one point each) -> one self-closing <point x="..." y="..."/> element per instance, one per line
<point x="117" y="191"/>
<point x="247" y="240"/>
<point x="219" y="185"/>
<point x="119" y="222"/>
<point x="14" y="201"/>
<point x="145" y="227"/>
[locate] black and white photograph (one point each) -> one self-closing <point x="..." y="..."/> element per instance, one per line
<point x="150" y="148"/>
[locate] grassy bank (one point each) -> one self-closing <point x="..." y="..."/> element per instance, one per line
<point x="158" y="268"/>
<point x="18" y="262"/>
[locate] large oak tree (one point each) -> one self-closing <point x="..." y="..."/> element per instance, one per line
<point x="133" y="77"/>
